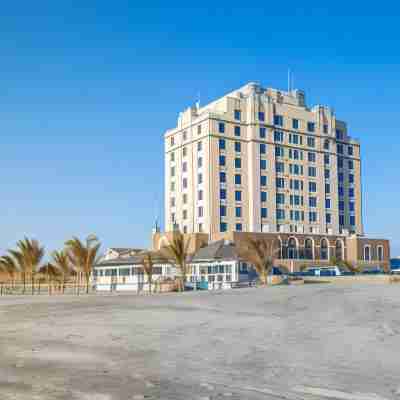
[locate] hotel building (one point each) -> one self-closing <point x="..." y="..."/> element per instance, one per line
<point x="261" y="160"/>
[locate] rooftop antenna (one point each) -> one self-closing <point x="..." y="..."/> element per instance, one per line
<point x="198" y="100"/>
<point x="288" y="80"/>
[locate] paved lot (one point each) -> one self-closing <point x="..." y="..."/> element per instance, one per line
<point x="317" y="341"/>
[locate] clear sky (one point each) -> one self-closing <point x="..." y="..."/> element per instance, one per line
<point x="89" y="87"/>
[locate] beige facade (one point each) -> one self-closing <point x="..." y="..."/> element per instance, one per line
<point x="260" y="160"/>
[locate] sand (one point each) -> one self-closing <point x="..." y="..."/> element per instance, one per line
<point x="317" y="341"/>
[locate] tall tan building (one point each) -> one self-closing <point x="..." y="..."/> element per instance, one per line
<point x="260" y="160"/>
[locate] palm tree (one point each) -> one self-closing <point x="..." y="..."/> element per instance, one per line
<point x="51" y="271"/>
<point x="83" y="257"/>
<point x="8" y="265"/>
<point x="259" y="253"/>
<point x="148" y="261"/>
<point x="177" y="252"/>
<point x="62" y="262"/>
<point x="29" y="255"/>
<point x="352" y="267"/>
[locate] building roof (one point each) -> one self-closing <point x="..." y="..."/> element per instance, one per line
<point x="219" y="250"/>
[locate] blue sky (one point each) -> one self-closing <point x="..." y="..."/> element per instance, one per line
<point x="89" y="87"/>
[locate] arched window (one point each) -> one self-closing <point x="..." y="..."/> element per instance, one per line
<point x="292" y="248"/>
<point x="279" y="248"/>
<point x="379" y="251"/>
<point x="308" y="249"/>
<point x="339" y="250"/>
<point x="324" y="250"/>
<point x="367" y="253"/>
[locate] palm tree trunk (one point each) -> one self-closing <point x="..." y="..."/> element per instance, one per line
<point x="33" y="283"/>
<point x="24" y="282"/>
<point x="87" y="276"/>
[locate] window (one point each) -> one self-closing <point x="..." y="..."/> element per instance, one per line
<point x="341" y="205"/>
<point x="237" y="130"/>
<point x="340" y="162"/>
<point x="200" y="228"/>
<point x="351" y="164"/>
<point x="312" y="216"/>
<point x="238" y="212"/>
<point x="262" y="133"/>
<point x="222" y="211"/>
<point x="184" y="214"/>
<point x="327" y="203"/>
<point x="279" y="151"/>
<point x="341" y="191"/>
<point x="222" y="177"/>
<point x="280" y="198"/>
<point x="312" y="201"/>
<point x="280" y="167"/>
<point x="278" y="120"/>
<point x="351" y="178"/>
<point x="184" y="198"/>
<point x="184" y="152"/>
<point x="222" y="144"/>
<point x="200" y="195"/>
<point x="199" y="162"/>
<point x="263" y="213"/>
<point x="199" y="146"/>
<point x="327" y="188"/>
<point x="199" y="178"/>
<point x="263" y="196"/>
<point x="325" y="128"/>
<point x="367" y="253"/>
<point x="351" y="192"/>
<point x="312" y="187"/>
<point x="222" y="160"/>
<point x="328" y="218"/>
<point x="311" y="126"/>
<point x="327" y="174"/>
<point x="296" y="184"/>
<point x="200" y="212"/>
<point x="339" y="134"/>
<point x="172" y="157"/>
<point x="199" y="129"/>
<point x="326" y="144"/>
<point x="184" y="135"/>
<point x="312" y="157"/>
<point x="352" y="220"/>
<point x="261" y="116"/>
<point x="172" y="187"/>
<point x="263" y="148"/>
<point x="238" y="229"/>
<point x="380" y="253"/>
<point x="238" y="163"/>
<point x="295" y="123"/>
<point x="310" y="142"/>
<point x="341" y="177"/>
<point x="184" y="183"/>
<point x="350" y="150"/>
<point x="172" y="201"/>
<point x="339" y="148"/>
<point x="172" y="171"/>
<point x="263" y="164"/>
<point x="221" y="127"/>
<point x="312" y="171"/>
<point x="341" y="219"/>
<point x="237" y="147"/>
<point x="184" y="166"/>
<point x="172" y="141"/>
<point x="280" y="183"/>
<point x="223" y="227"/>
<point x="222" y="194"/>
<point x="263" y="180"/>
<point x="278" y="136"/>
<point x="280" y="214"/>
<point x="173" y="217"/>
<point x="238" y="195"/>
<point x="351" y="206"/>
<point x="326" y="159"/>
<point x="294" y="139"/>
<point x="238" y="179"/>
<point x="237" y="115"/>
